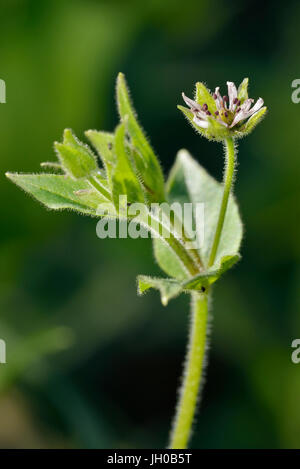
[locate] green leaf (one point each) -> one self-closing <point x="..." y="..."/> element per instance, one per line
<point x="189" y="182"/>
<point x="76" y="158"/>
<point x="104" y="144"/>
<point x="168" y="261"/>
<point x="146" y="162"/>
<point x="59" y="192"/>
<point x="168" y="288"/>
<point x="203" y="96"/>
<point x="200" y="187"/>
<point x="243" y="90"/>
<point x="124" y="179"/>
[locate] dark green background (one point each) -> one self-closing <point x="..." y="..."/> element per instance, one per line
<point x="89" y="363"/>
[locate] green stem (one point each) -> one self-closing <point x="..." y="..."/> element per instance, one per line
<point x="186" y="239"/>
<point x="228" y="179"/>
<point x="192" y="372"/>
<point x="176" y="246"/>
<point x="94" y="183"/>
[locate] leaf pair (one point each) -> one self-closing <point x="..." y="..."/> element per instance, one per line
<point x="170" y="288"/>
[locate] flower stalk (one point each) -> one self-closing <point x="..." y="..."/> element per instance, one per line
<point x="193" y="372"/>
<point x="230" y="159"/>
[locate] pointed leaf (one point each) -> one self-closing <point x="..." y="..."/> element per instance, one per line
<point x="168" y="288"/>
<point x="146" y="162"/>
<point x="104" y="144"/>
<point x="59" y="192"/>
<point x="124" y="180"/>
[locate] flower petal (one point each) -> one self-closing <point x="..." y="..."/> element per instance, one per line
<point x="254" y="120"/>
<point x="219" y="100"/>
<point x="246" y="112"/>
<point x="192" y="104"/>
<point x="247" y="104"/>
<point x="201" y="122"/>
<point x="232" y="94"/>
<point x="243" y="113"/>
<point x="259" y="103"/>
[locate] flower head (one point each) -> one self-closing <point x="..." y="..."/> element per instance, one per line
<point x="218" y="117"/>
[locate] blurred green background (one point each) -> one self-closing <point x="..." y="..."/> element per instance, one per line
<point x="91" y="368"/>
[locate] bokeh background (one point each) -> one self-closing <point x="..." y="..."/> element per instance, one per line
<point x="90" y="364"/>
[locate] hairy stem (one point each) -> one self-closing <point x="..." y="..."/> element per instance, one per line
<point x="95" y="183"/>
<point x="179" y="249"/>
<point x="228" y="179"/>
<point x="193" y="372"/>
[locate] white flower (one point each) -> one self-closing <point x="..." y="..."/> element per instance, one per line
<point x="219" y="117"/>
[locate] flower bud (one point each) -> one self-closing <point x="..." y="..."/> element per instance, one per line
<point x="76" y="158"/>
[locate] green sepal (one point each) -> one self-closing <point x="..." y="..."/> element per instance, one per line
<point x="242" y="93"/>
<point x="203" y="96"/>
<point x="146" y="161"/>
<point x="215" y="131"/>
<point x="251" y="123"/>
<point x="190" y="116"/>
<point x="76" y="158"/>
